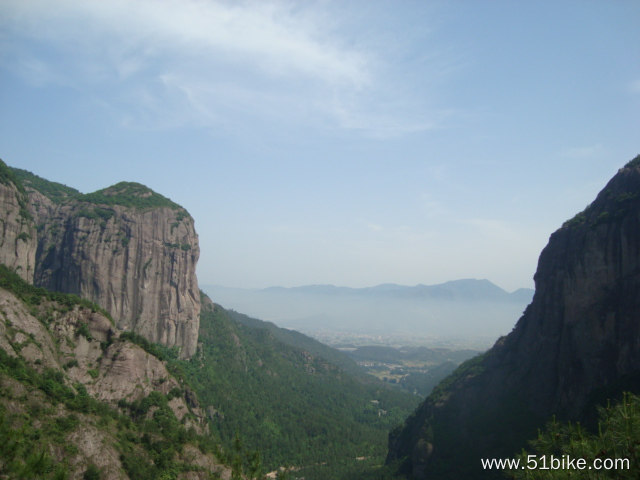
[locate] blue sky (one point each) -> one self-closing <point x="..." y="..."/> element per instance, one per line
<point x="352" y="143"/>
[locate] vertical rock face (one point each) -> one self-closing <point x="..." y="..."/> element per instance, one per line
<point x="127" y="248"/>
<point x="17" y="228"/>
<point x="578" y="343"/>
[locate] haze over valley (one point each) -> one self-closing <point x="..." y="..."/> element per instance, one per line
<point x="461" y="314"/>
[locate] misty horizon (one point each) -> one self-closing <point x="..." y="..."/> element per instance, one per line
<point x="471" y="311"/>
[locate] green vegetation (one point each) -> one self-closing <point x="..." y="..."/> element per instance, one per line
<point x="24" y="236"/>
<point x="612" y="206"/>
<point x="415" y="369"/>
<point x="577" y="219"/>
<point x="617" y="437"/>
<point x="56" y="192"/>
<point x="159" y="351"/>
<point x="83" y="329"/>
<point x="39" y="410"/>
<point x="149" y="440"/>
<point x="185" y="247"/>
<point x="635" y="162"/>
<point x="129" y="194"/>
<point x="472" y="367"/>
<point x="293" y="406"/>
<point x="97" y="213"/>
<point x="298" y="340"/>
<point x="8" y="176"/>
<point x="34" y="296"/>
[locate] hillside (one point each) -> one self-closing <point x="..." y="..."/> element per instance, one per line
<point x="415" y="369"/>
<point x="298" y="340"/>
<point x="283" y="398"/>
<point x="144" y="376"/>
<point x="78" y="399"/>
<point x="574" y="347"/>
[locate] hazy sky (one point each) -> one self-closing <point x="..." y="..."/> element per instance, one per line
<point x="344" y="142"/>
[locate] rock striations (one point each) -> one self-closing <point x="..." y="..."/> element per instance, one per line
<point x="576" y="344"/>
<point x="17" y="228"/>
<point x="126" y="248"/>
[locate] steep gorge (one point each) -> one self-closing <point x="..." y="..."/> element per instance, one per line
<point x="577" y="344"/>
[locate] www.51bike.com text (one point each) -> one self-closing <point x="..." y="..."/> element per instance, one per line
<point x="551" y="462"/>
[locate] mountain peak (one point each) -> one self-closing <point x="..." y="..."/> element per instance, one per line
<point x="574" y="346"/>
<point x="130" y="194"/>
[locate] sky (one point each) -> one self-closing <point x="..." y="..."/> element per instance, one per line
<point x="348" y="143"/>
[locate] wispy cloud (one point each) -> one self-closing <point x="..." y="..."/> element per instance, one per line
<point x="198" y="56"/>
<point x="277" y="39"/>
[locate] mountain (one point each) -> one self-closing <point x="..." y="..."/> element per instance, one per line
<point x="295" y="400"/>
<point x="132" y="374"/>
<point x="472" y="312"/>
<point x="125" y="247"/>
<point x="296" y="339"/>
<point x="81" y="399"/>
<point x="575" y="346"/>
<point x="18" y="233"/>
<point x="455" y="290"/>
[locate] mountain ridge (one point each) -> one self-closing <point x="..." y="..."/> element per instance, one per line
<point x="451" y="289"/>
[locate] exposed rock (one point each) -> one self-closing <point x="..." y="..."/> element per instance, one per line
<point x="84" y="347"/>
<point x="208" y="464"/>
<point x="17" y="228"/>
<point x="576" y="344"/>
<point x="127" y="248"/>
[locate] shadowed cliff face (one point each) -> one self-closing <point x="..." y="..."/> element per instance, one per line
<point x="138" y="265"/>
<point x="576" y="344"/>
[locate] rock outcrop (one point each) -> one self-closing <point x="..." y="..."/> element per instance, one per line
<point x="577" y="344"/>
<point x="17" y="228"/>
<point x="78" y="350"/>
<point x="127" y="248"/>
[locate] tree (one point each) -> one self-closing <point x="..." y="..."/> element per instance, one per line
<point x="570" y="451"/>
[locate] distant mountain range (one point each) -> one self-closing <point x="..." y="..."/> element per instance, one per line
<point x="467" y="309"/>
<point x="468" y="289"/>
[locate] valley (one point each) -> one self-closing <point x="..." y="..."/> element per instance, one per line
<point x="174" y="385"/>
<point x="319" y="240"/>
<point x="414" y="369"/>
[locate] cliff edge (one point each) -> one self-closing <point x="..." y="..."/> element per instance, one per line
<point x="17" y="227"/>
<point x="576" y="345"/>
<point x="126" y="248"/>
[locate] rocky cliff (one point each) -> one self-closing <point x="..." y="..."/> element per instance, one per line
<point x="127" y="248"/>
<point x="81" y="395"/>
<point x="576" y="344"/>
<point x="17" y="228"/>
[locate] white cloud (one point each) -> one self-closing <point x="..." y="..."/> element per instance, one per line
<point x="276" y="38"/>
<point x="201" y="61"/>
